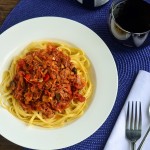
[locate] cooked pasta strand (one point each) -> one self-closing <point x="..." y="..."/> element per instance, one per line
<point x="75" y="108"/>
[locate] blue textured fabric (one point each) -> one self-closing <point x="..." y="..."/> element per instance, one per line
<point x="129" y="61"/>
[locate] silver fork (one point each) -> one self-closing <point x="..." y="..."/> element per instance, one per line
<point x="133" y="123"/>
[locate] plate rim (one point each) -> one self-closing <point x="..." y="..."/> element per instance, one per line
<point x="8" y="31"/>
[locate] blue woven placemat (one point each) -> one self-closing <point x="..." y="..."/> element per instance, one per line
<point x="129" y="61"/>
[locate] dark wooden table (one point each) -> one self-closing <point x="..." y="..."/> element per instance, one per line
<point x="5" y="7"/>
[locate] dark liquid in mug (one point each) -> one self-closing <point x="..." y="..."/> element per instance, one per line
<point x="134" y="16"/>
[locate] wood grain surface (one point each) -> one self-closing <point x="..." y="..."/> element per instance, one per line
<point x="5" y="7"/>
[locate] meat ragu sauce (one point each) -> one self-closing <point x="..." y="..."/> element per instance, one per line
<point x="46" y="81"/>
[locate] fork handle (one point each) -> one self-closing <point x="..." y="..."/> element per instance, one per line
<point x="143" y="140"/>
<point x="132" y="145"/>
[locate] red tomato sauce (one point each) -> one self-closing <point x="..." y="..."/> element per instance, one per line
<point x="46" y="81"/>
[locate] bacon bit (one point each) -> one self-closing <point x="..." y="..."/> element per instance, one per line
<point x="79" y="97"/>
<point x="61" y="106"/>
<point x="48" y="85"/>
<point x="36" y="96"/>
<point x="40" y="86"/>
<point x="53" y="76"/>
<point x="79" y="84"/>
<point x="46" y="81"/>
<point x="45" y="109"/>
<point x="21" y="63"/>
<point x="28" y="97"/>
<point x="34" y="89"/>
<point x="46" y="98"/>
<point x="21" y="73"/>
<point x="25" y="106"/>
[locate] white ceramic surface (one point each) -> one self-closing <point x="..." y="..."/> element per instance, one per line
<point x="106" y="82"/>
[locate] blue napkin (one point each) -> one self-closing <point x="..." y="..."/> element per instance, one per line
<point x="129" y="61"/>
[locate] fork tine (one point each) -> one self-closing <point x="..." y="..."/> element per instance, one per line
<point x="140" y="117"/>
<point x="135" y="121"/>
<point x="127" y="118"/>
<point x="131" y="121"/>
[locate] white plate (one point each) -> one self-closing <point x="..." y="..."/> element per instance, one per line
<point x="106" y="82"/>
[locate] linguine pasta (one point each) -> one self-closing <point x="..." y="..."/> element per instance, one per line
<point x="50" y="107"/>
